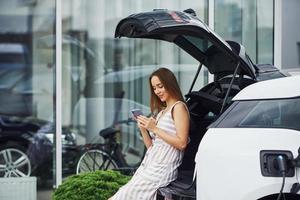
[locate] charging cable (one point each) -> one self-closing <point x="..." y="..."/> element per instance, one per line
<point x="282" y="166"/>
<point x="296" y="163"/>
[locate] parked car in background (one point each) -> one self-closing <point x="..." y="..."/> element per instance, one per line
<point x="16" y="90"/>
<point x="15" y="71"/>
<point x="232" y="71"/>
<point x="26" y="148"/>
<point x="13" y="56"/>
<point x="240" y="152"/>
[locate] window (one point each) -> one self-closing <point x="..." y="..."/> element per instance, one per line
<point x="201" y="44"/>
<point x="281" y="113"/>
<point x="263" y="114"/>
<point x="249" y="23"/>
<point x="27" y="106"/>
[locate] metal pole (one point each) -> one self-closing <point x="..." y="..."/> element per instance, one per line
<point x="230" y="85"/>
<point x="195" y="78"/>
<point x="58" y="92"/>
<point x="277" y="48"/>
<point x="211" y="24"/>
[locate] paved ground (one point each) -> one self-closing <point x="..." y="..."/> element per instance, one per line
<point x="45" y="190"/>
<point x="44" y="194"/>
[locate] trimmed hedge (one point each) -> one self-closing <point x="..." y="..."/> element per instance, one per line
<point x="99" y="185"/>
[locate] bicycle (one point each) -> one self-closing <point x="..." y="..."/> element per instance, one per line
<point x="107" y="155"/>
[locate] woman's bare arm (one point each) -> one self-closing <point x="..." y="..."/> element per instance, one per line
<point x="146" y="137"/>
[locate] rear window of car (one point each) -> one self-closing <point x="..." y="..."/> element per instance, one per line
<point x="200" y="43"/>
<point x="278" y="113"/>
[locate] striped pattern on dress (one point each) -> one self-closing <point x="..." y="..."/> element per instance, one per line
<point x="159" y="166"/>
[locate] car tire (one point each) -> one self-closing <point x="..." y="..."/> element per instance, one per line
<point x="95" y="159"/>
<point x="14" y="162"/>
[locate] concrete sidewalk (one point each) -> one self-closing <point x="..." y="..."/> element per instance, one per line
<point x="44" y="194"/>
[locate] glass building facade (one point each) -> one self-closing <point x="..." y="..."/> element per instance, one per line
<point x="250" y="23"/>
<point x="103" y="78"/>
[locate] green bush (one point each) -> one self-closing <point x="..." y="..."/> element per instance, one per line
<point x="99" y="185"/>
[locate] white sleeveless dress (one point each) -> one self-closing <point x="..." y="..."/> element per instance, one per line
<point x="159" y="166"/>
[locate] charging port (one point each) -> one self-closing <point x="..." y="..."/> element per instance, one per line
<point x="269" y="165"/>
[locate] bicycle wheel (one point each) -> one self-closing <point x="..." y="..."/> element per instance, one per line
<point x="95" y="159"/>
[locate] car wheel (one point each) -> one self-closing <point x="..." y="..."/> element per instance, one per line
<point x="14" y="162"/>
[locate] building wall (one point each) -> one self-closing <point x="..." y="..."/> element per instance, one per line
<point x="249" y="23"/>
<point x="291" y="35"/>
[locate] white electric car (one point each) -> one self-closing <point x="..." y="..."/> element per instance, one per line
<point x="251" y="139"/>
<point x="239" y="156"/>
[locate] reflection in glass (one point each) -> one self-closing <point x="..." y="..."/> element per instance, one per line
<point x="278" y="113"/>
<point x="26" y="90"/>
<point x="102" y="84"/>
<point x="283" y="113"/>
<point x="249" y="23"/>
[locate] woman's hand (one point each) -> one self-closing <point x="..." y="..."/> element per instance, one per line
<point x="141" y="120"/>
<point x="146" y="123"/>
<point x="142" y="129"/>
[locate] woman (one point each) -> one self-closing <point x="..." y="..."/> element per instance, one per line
<point x="166" y="142"/>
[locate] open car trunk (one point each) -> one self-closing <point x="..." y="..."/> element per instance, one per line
<point x="191" y="35"/>
<point x="223" y="59"/>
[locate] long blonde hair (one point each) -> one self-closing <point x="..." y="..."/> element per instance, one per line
<point x="171" y="85"/>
